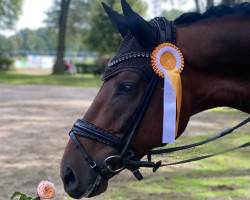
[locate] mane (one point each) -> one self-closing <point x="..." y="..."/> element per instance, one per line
<point x="214" y="11"/>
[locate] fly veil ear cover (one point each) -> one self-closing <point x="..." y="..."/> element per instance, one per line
<point x="168" y="62"/>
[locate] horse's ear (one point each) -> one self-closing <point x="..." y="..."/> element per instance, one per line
<point x="117" y="20"/>
<point x="140" y="28"/>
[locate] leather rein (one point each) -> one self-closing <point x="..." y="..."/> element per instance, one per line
<point x="128" y="155"/>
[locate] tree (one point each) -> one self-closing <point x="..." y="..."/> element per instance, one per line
<point x="49" y="36"/>
<point x="72" y="16"/>
<point x="77" y="18"/>
<point x="9" y="13"/>
<point x="197" y="6"/>
<point x="210" y="3"/>
<point x="16" y="42"/>
<point x="4" y="45"/>
<point x="59" y="65"/>
<point x="228" y="2"/>
<point x="101" y="36"/>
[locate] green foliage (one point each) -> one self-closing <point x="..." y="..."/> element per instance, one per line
<point x="9" y="12"/>
<point x="5" y="63"/>
<point x="44" y="39"/>
<point x="84" y="68"/>
<point x="76" y="19"/>
<point x="101" y="36"/>
<point x="4" y="45"/>
<point x="171" y="14"/>
<point x="23" y="196"/>
<point x="40" y="39"/>
<point x="16" y="42"/>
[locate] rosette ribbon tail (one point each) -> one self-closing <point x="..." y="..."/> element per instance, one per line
<point x="172" y="97"/>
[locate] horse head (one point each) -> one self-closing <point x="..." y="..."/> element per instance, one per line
<point x="125" y="118"/>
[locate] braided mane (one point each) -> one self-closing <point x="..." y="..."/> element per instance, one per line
<point x="214" y="11"/>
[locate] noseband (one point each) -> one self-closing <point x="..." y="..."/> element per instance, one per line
<point x="128" y="155"/>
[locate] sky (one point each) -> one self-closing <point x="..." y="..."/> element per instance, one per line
<point x="33" y="13"/>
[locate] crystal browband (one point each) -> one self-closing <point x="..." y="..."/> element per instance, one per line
<point x="128" y="56"/>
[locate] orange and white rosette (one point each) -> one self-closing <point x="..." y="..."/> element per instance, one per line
<point x="168" y="62"/>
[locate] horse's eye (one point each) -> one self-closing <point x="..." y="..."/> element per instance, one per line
<point x="127" y="89"/>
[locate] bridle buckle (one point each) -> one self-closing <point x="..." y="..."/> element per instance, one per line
<point x="109" y="167"/>
<point x="93" y="165"/>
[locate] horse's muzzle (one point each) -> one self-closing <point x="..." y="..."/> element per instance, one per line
<point x="98" y="186"/>
<point x="95" y="186"/>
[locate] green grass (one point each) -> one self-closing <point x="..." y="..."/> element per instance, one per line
<point x="86" y="80"/>
<point x="225" y="176"/>
<point x="224" y="110"/>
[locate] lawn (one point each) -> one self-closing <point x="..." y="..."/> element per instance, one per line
<point x="222" y="177"/>
<point x="86" y="80"/>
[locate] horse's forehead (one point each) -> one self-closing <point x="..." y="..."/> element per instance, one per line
<point x="132" y="56"/>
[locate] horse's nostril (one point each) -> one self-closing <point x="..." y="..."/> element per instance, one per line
<point x="69" y="178"/>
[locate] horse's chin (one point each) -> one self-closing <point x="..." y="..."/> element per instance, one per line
<point x="96" y="187"/>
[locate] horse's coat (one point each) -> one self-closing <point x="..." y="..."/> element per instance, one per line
<point x="216" y="48"/>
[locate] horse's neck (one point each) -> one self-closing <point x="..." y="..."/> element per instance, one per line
<point x="217" y="68"/>
<point x="216" y="43"/>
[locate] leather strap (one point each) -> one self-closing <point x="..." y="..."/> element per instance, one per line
<point x="87" y="158"/>
<point x="166" y="30"/>
<point x="155" y="166"/>
<point x="219" y="135"/>
<point x="88" y="130"/>
<point x="139" y="115"/>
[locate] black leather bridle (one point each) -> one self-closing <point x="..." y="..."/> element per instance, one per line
<point x="128" y="155"/>
<point x="88" y="130"/>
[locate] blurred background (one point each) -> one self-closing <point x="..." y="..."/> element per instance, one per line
<point x="52" y="54"/>
<point x="73" y="36"/>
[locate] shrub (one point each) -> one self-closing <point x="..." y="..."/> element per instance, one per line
<point x="5" y="63"/>
<point x="84" y="68"/>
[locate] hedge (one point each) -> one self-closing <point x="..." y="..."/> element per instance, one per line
<point x="5" y="63"/>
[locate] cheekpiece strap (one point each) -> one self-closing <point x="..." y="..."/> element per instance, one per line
<point x="166" y="30"/>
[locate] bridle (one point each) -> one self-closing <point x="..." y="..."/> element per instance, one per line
<point x="128" y="155"/>
<point x="88" y="130"/>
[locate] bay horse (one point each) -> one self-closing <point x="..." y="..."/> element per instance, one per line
<point x="216" y="49"/>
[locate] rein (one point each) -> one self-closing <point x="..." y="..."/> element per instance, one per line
<point x="128" y="156"/>
<point x="158" y="164"/>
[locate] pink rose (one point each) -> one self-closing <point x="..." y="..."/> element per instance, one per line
<point x="46" y="190"/>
